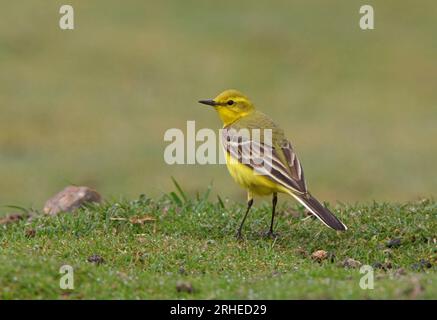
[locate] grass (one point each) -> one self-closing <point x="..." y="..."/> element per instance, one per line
<point x="91" y="106"/>
<point x="192" y="241"/>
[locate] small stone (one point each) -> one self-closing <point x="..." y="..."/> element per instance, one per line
<point x="95" y="258"/>
<point x="182" y="271"/>
<point x="30" y="233"/>
<point x="10" y="218"/>
<point x="426" y="263"/>
<point x="393" y="243"/>
<point x="319" y="255"/>
<point x="384" y="266"/>
<point x="184" y="286"/>
<point x="422" y="265"/>
<point x="351" y="263"/>
<point x="70" y="199"/>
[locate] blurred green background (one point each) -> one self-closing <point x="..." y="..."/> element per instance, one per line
<point x="90" y="106"/>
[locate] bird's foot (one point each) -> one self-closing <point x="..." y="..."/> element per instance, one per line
<point x="238" y="235"/>
<point x="270" y="234"/>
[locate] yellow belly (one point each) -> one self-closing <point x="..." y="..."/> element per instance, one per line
<point x="245" y="177"/>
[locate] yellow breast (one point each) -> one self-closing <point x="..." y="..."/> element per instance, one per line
<point x="245" y="177"/>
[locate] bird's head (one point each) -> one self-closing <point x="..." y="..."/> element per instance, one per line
<point x="230" y="105"/>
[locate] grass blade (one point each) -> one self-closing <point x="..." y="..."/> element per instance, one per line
<point x="25" y="210"/>
<point x="178" y="187"/>
<point x="176" y="199"/>
<point x="221" y="203"/>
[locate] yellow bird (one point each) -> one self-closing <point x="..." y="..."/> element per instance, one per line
<point x="261" y="159"/>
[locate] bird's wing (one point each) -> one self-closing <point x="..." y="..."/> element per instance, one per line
<point x="294" y="165"/>
<point x="277" y="162"/>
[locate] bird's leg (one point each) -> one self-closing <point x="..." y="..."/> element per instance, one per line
<point x="274" y="202"/>
<point x="249" y="205"/>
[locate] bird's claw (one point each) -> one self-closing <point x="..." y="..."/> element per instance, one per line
<point x="270" y="234"/>
<point x="239" y="236"/>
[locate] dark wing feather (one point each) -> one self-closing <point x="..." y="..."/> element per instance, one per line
<point x="296" y="171"/>
<point x="279" y="164"/>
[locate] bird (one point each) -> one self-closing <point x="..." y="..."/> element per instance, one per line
<point x="263" y="166"/>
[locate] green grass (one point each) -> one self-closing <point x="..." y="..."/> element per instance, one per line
<point x="193" y="241"/>
<point x="91" y="106"/>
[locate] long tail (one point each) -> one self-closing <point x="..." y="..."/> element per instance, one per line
<point x="324" y="215"/>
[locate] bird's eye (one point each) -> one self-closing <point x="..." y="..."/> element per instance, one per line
<point x="230" y="102"/>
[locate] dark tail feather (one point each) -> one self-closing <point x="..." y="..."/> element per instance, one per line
<point x="326" y="216"/>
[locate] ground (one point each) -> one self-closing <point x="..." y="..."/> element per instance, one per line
<point x="90" y="106"/>
<point x="175" y="247"/>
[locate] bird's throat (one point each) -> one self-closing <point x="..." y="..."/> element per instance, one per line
<point x="229" y="116"/>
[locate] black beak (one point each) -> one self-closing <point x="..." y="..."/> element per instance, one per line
<point x="208" y="102"/>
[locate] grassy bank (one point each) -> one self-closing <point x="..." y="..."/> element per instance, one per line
<point x="176" y="248"/>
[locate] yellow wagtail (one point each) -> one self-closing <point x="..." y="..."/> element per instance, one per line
<point x="284" y="172"/>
